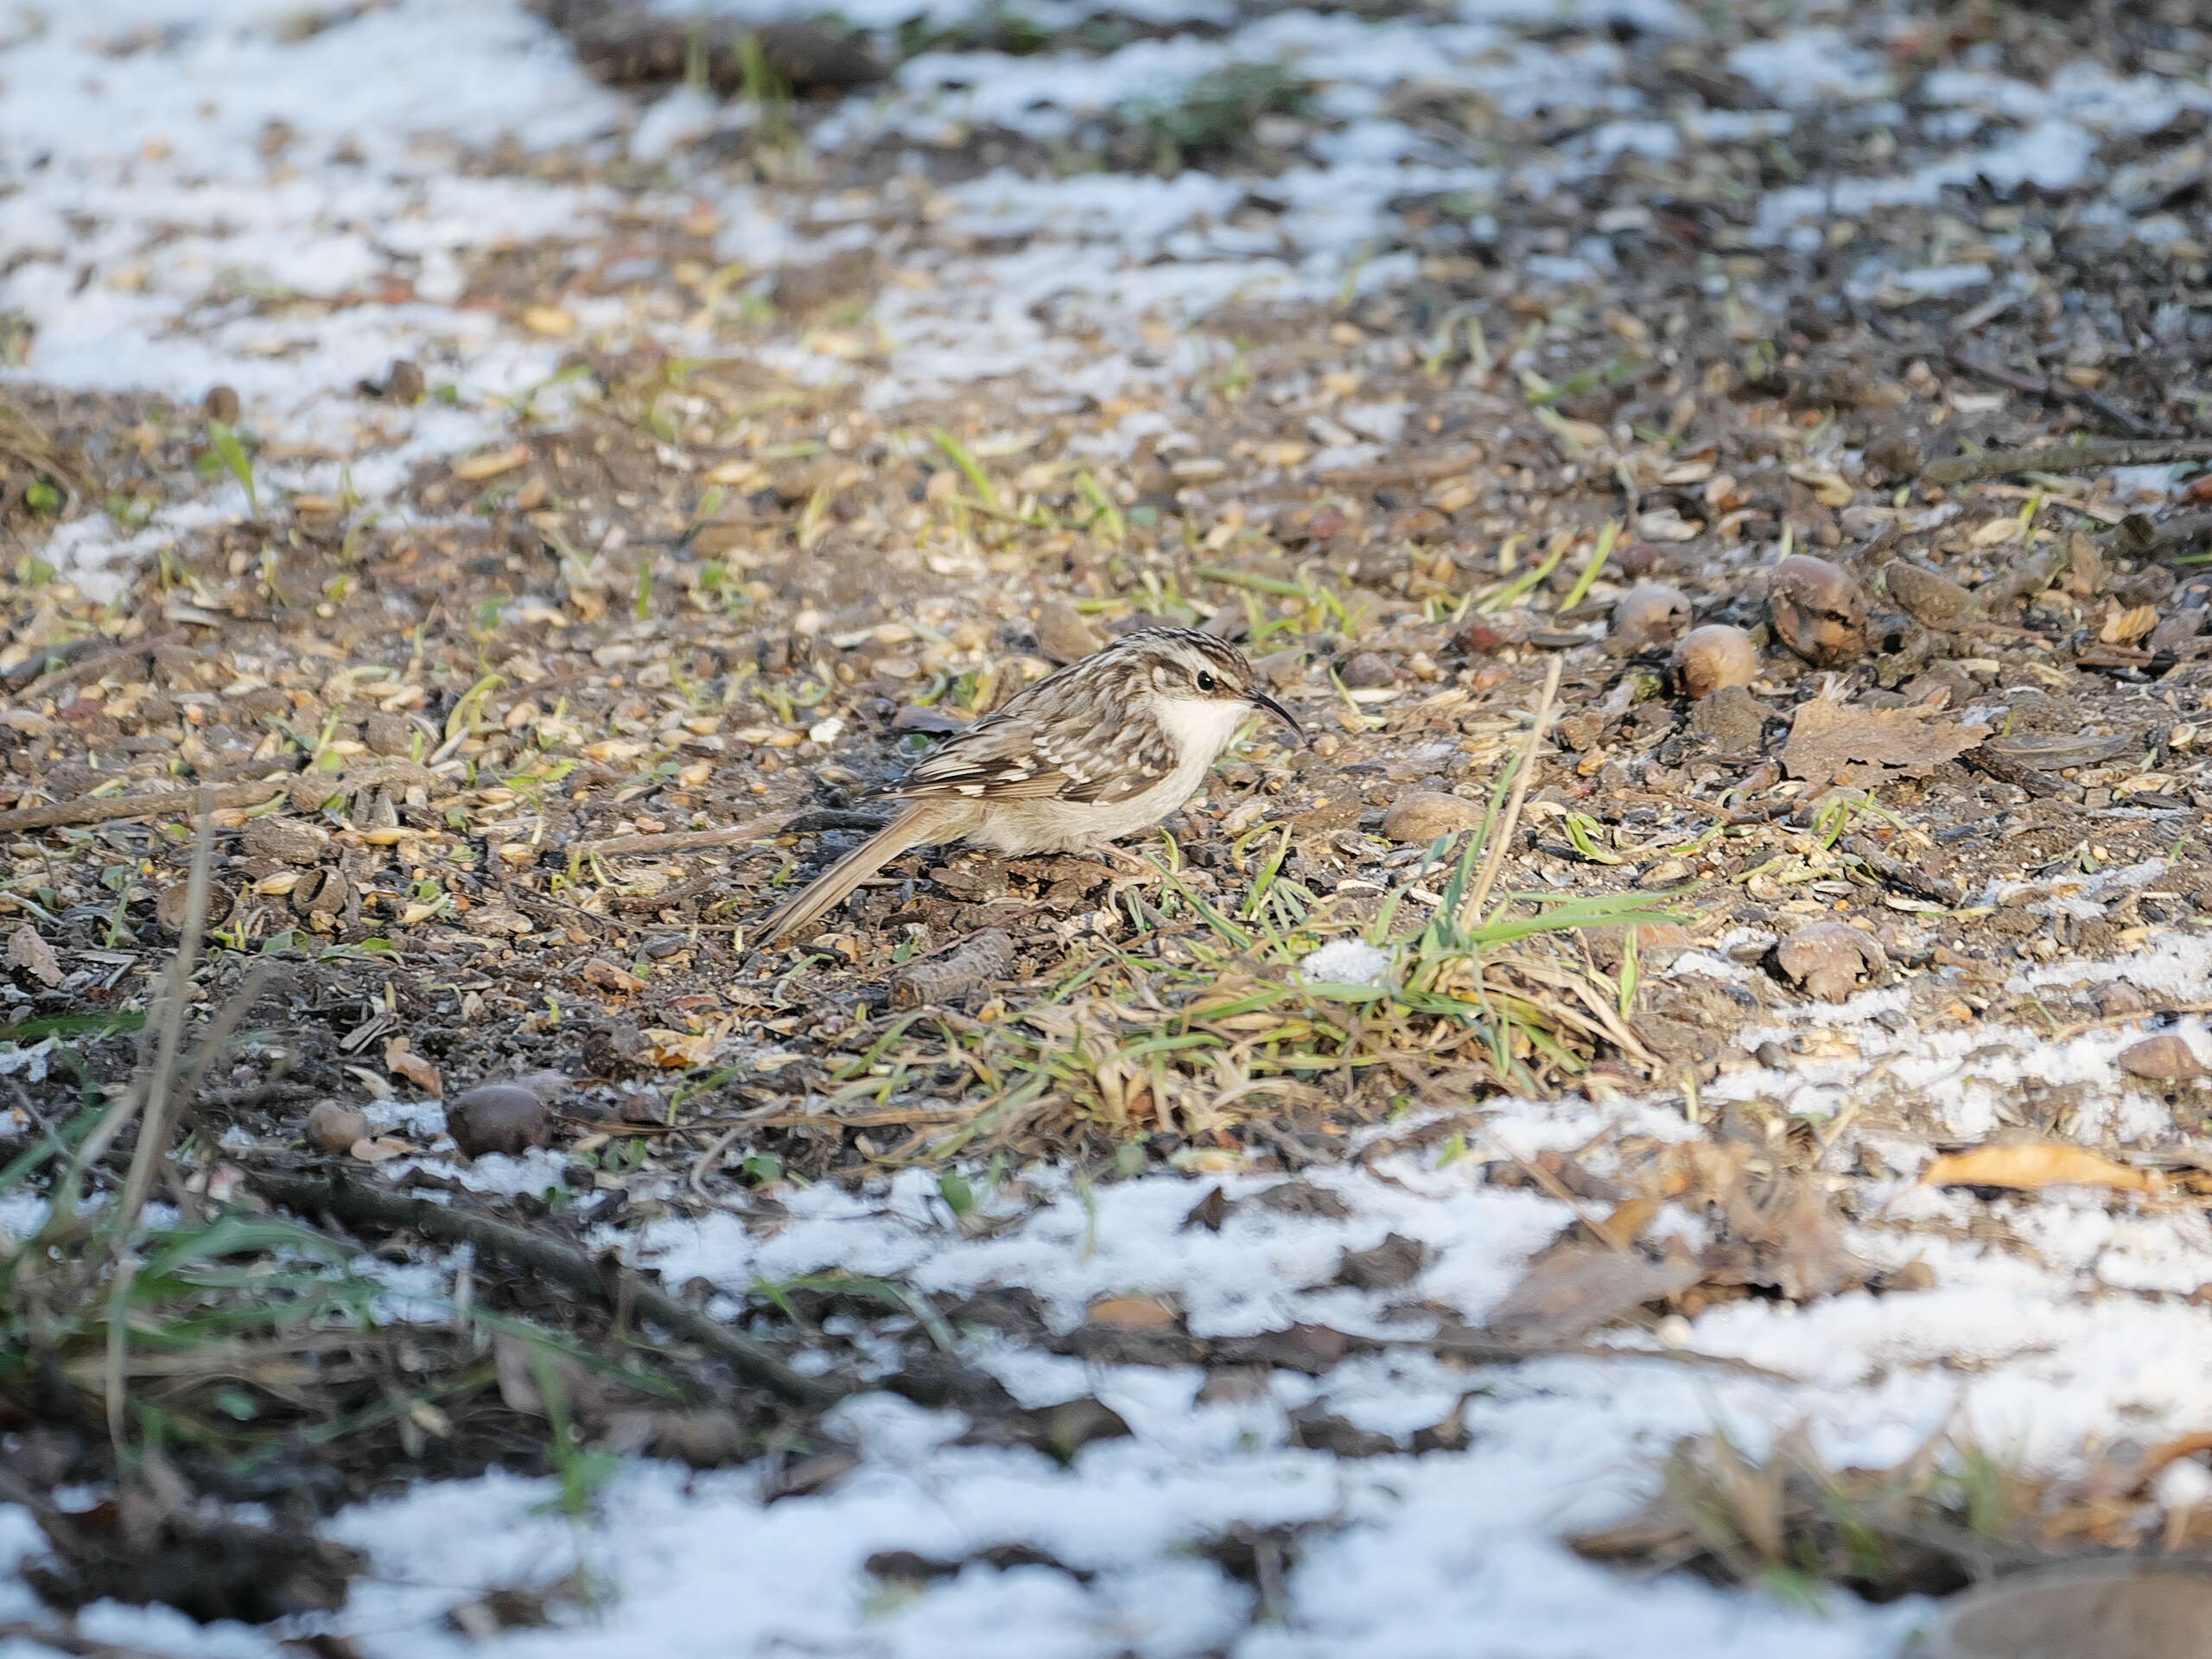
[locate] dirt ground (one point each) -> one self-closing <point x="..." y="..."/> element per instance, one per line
<point x="507" y="767"/>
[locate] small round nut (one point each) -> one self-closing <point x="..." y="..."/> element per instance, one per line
<point x="1819" y="610"/>
<point x="1712" y="657"/>
<point x="335" y="1129"/>
<point x="1648" y="614"/>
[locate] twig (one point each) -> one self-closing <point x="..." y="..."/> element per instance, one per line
<point x="684" y="841"/>
<point x="703" y="1166"/>
<point x="2053" y="391"/>
<point x="1899" y="873"/>
<point x="986" y="958"/>
<point x="2103" y="1022"/>
<point x="2067" y="458"/>
<point x="2006" y="769"/>
<point x="88" y="667"/>
<point x="667" y="897"/>
<point x="109" y="809"/>
<point x="1470" y="908"/>
<point x="1483" y="1348"/>
<point x="68" y="1642"/>
<point x="349" y="1202"/>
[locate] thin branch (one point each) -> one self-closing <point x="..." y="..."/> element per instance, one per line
<point x="108" y="808"/>
<point x="449" y="1223"/>
<point x="2067" y="458"/>
<point x="1470" y="909"/>
<point x="684" y="841"/>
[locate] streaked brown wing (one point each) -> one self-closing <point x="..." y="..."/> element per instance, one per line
<point x="1068" y="738"/>
<point x="998" y="758"/>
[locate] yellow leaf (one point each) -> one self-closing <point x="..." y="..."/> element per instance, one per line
<point x="2032" y="1166"/>
<point x="492" y="464"/>
<point x="1131" y="1313"/>
<point x="548" y="320"/>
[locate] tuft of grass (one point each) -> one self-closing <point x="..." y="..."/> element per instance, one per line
<point x="1950" y="1513"/>
<point x="227" y="449"/>
<point x="1211" y="118"/>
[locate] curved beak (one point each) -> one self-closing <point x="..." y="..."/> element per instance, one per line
<point x="1261" y="700"/>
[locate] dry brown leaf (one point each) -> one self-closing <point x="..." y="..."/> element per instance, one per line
<point x="1832" y="742"/>
<point x="1131" y="1313"/>
<point x="31" y="953"/>
<point x="1578" y="1288"/>
<point x="2033" y="1165"/>
<point x="381" y="1150"/>
<point x="2125" y="627"/>
<point x="402" y="1061"/>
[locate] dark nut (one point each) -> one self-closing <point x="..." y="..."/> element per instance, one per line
<point x="321" y="890"/>
<point x="1832" y="960"/>
<point x="1819" y="610"/>
<point x="173" y="906"/>
<point x="498" y="1117"/>
<point x="1714" y="656"/>
<point x="404" y="385"/>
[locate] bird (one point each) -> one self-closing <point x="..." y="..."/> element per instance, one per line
<point x="1108" y="745"/>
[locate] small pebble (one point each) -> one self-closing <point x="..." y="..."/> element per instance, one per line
<point x="404" y="383"/>
<point x="2163" y="1058"/>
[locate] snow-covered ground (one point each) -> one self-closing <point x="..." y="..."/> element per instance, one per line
<point x="198" y="195"/>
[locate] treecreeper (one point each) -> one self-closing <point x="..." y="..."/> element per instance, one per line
<point x="1109" y="745"/>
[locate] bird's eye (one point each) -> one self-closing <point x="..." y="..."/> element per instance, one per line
<point x="1206" y="682"/>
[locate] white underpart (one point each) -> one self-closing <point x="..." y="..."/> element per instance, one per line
<point x="1200" y="729"/>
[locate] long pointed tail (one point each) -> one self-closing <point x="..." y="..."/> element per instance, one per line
<point x="917" y="826"/>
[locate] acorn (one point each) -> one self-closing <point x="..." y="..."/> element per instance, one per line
<point x="1714" y="656"/>
<point x="335" y="1129"/>
<point x="1648" y="614"/>
<point x="498" y="1117"/>
<point x="1819" y="610"/>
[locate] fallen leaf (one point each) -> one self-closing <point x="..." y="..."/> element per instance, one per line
<point x="676" y="1049"/>
<point x="2125" y="627"/>
<point x="1578" y="1288"/>
<point x="2033" y="1165"/>
<point x="548" y="320"/>
<point x="475" y="467"/>
<point x="383" y="1150"/>
<point x="31" y="953"/>
<point x="402" y="1061"/>
<point x="1832" y="742"/>
<point x="1131" y="1313"/>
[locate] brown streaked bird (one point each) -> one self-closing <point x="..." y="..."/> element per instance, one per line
<point x="1109" y="745"/>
